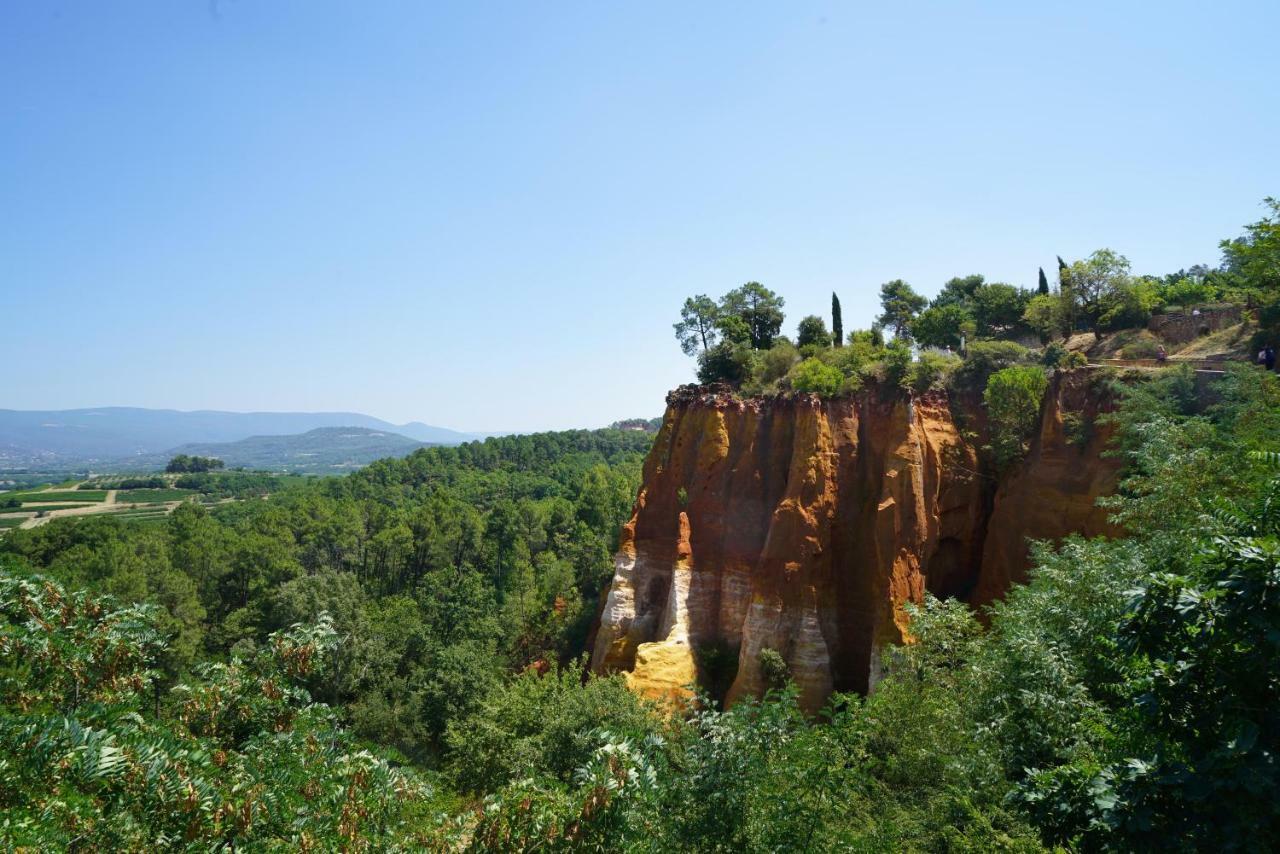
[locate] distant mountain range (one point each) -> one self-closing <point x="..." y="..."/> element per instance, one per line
<point x="118" y="435"/>
<point x="319" y="451"/>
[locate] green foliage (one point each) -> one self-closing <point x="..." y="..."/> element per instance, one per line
<point x="837" y="322"/>
<point x="183" y="464"/>
<point x="698" y="327"/>
<point x="759" y="309"/>
<point x="959" y="290"/>
<point x="1142" y="348"/>
<point x="984" y="358"/>
<point x="813" y="332"/>
<point x="770" y="366"/>
<point x="941" y="325"/>
<point x="814" y="375"/>
<point x="727" y="362"/>
<point x="773" y="669"/>
<point x="896" y="363"/>
<point x="900" y="304"/>
<point x="243" y="759"/>
<point x="1053" y="355"/>
<point x="998" y="308"/>
<point x="931" y="371"/>
<point x="541" y="725"/>
<point x="1098" y="288"/>
<point x="1048" y="315"/>
<point x="1255" y="256"/>
<point x="1012" y="399"/>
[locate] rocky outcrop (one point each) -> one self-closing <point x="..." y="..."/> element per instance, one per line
<point x="803" y="526"/>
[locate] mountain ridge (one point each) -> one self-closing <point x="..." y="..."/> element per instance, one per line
<point x="113" y="433"/>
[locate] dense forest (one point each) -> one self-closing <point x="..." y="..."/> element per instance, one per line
<point x="388" y="660"/>
<point x="393" y="660"/>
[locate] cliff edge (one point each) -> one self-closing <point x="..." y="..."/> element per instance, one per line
<point x="804" y="525"/>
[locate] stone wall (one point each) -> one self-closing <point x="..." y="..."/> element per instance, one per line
<point x="1181" y="327"/>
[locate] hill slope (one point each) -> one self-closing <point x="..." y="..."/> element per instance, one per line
<point x="325" y="449"/>
<point x="61" y="437"/>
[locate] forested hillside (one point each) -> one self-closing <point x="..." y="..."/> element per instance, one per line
<point x="378" y="662"/>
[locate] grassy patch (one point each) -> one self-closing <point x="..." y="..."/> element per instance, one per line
<point x="37" y="508"/>
<point x="145" y="510"/>
<point x="11" y="521"/>
<point x="147" y="496"/>
<point x="80" y="495"/>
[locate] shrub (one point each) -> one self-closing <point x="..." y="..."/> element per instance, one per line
<point x="1012" y="398"/>
<point x="1077" y="429"/>
<point x="1053" y="355"/>
<point x="814" y="375"/>
<point x="727" y="362"/>
<point x="1074" y="359"/>
<point x="813" y="331"/>
<point x="1143" y="348"/>
<point x="895" y="363"/>
<point x="773" y="669"/>
<point x="931" y="370"/>
<point x="984" y="358"/>
<point x="770" y="366"/>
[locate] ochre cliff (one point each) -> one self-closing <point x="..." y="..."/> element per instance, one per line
<point x="804" y="526"/>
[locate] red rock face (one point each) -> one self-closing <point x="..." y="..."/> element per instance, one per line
<point x="804" y="526"/>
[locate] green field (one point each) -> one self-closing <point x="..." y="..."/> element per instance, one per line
<point x="11" y="521"/>
<point x="148" y="496"/>
<point x="78" y="495"/>
<point x="142" y="514"/>
<point x="36" y="508"/>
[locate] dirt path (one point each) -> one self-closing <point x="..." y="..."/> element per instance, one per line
<point x="107" y="505"/>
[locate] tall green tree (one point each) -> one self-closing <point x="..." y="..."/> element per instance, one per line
<point x="1256" y="255"/>
<point x="959" y="290"/>
<point x="1096" y="285"/>
<point x="900" y="304"/>
<point x="940" y="325"/>
<point x="812" y="331"/>
<point x="1043" y="286"/>
<point x="759" y="308"/>
<point x="998" y="308"/>
<point x="697" y="329"/>
<point x="837" y="322"/>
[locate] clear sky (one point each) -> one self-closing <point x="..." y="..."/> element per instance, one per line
<point x="486" y="215"/>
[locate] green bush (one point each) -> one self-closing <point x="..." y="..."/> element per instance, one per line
<point x="1012" y="399"/>
<point x="727" y="362"/>
<point x="1053" y="355"/>
<point x="814" y="375"/>
<point x="1143" y="348"/>
<point x="895" y="364"/>
<point x="773" y="669"/>
<point x="931" y="371"/>
<point x="984" y="358"/>
<point x="770" y="366"/>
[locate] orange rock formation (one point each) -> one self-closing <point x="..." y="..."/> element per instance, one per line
<point x="805" y="525"/>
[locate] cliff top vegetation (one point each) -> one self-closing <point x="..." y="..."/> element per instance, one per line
<point x="973" y="327"/>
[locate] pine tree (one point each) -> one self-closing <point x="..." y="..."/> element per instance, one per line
<point x="837" y="323"/>
<point x="1044" y="283"/>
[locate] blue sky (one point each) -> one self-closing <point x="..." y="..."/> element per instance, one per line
<point x="486" y="215"/>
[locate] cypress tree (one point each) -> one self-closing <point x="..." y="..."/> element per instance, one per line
<point x="1044" y="283"/>
<point x="837" y="323"/>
